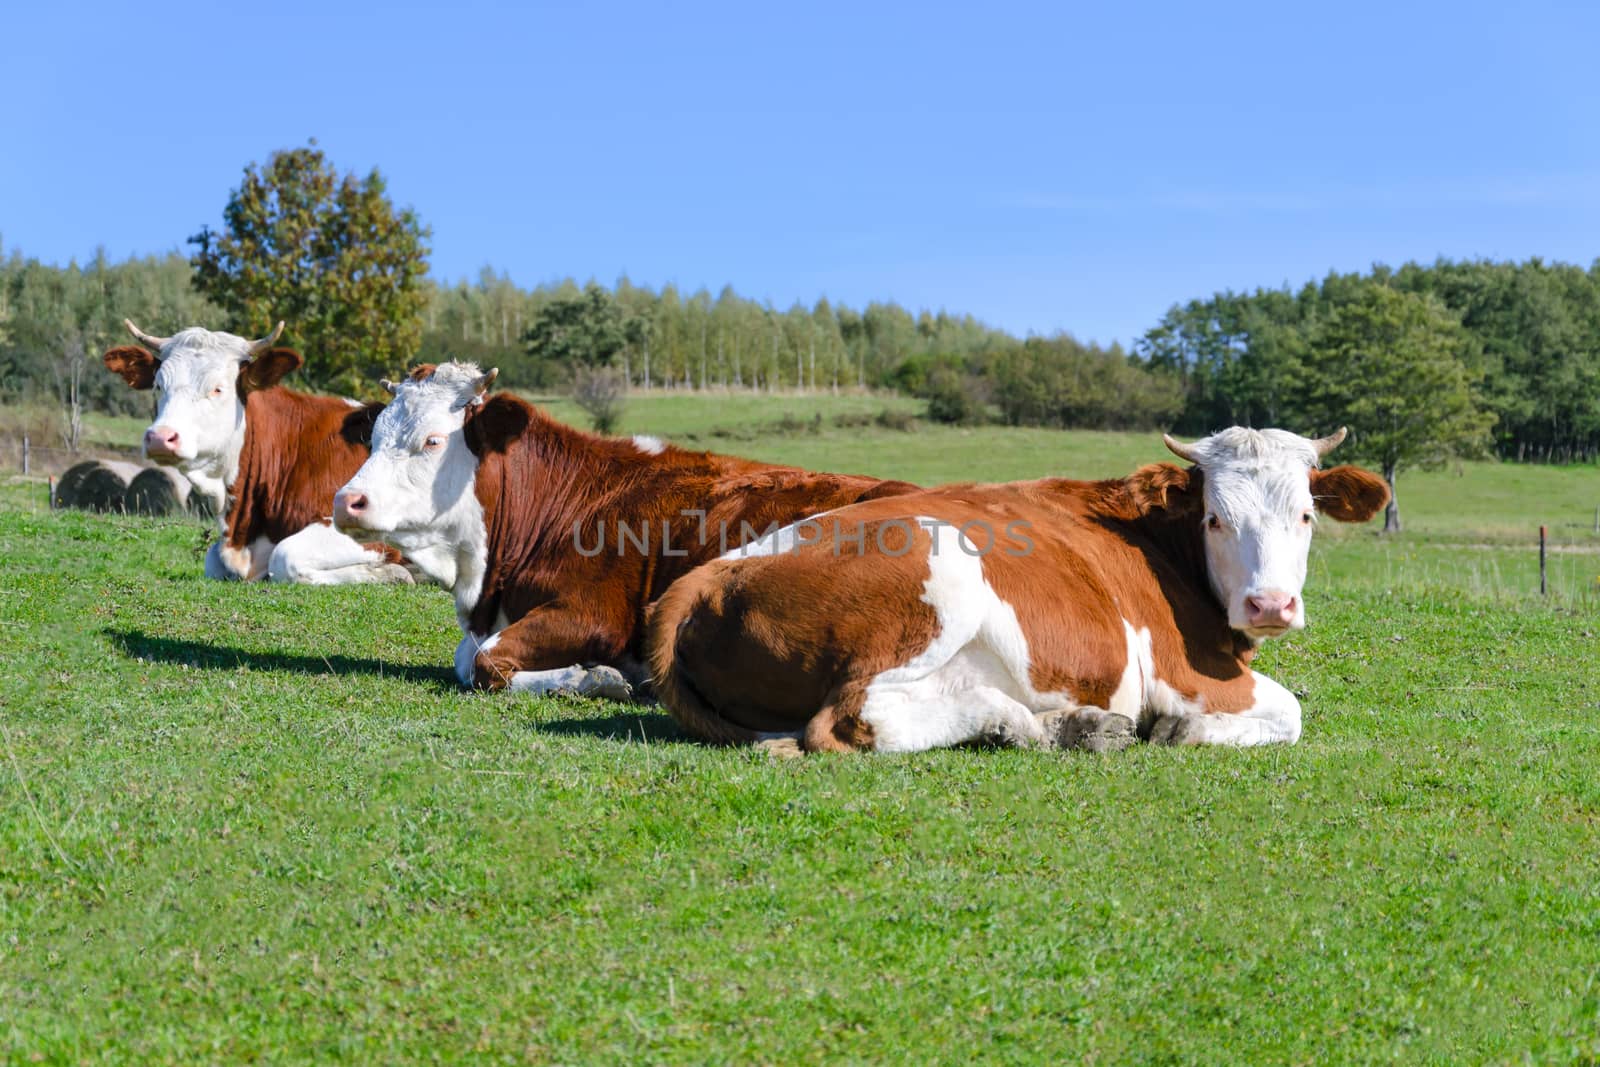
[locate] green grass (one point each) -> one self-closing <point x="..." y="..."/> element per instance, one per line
<point x="732" y="415"/>
<point x="246" y="822"/>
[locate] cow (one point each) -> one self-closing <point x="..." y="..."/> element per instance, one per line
<point x="560" y="538"/>
<point x="1056" y="612"/>
<point x="268" y="458"/>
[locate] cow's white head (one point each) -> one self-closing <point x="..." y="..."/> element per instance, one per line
<point x="201" y="380"/>
<point x="1261" y="492"/>
<point x="416" y="488"/>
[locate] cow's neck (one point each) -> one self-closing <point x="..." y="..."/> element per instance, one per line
<point x="468" y="562"/>
<point x="1179" y="541"/>
<point x="554" y="479"/>
<point x="215" y="475"/>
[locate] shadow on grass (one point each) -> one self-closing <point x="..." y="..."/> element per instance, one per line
<point x="225" y="657"/>
<point x="649" y="725"/>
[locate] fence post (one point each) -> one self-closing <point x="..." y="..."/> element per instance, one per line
<point x="27" y="455"/>
<point x="52" y="492"/>
<point x="1544" y="590"/>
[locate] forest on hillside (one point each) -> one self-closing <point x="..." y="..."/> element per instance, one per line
<point x="1521" y="339"/>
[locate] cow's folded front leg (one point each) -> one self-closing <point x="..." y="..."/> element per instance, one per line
<point x="551" y="649"/>
<point x="600" y="682"/>
<point x="1274" y="718"/>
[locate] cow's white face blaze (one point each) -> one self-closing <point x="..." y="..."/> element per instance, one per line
<point x="199" y="410"/>
<point x="416" y="489"/>
<point x="1258" y="516"/>
<point x="200" y="377"/>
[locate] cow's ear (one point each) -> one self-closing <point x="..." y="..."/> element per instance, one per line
<point x="136" y="365"/>
<point x="495" y="423"/>
<point x="1165" y="486"/>
<point x="357" y="426"/>
<point x="268" y="369"/>
<point x="1348" y="494"/>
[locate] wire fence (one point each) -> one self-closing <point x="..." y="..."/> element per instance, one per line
<point x="31" y="458"/>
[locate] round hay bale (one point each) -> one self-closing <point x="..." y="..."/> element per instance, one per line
<point x="157" y="491"/>
<point x="200" y="504"/>
<point x="105" y="487"/>
<point x="70" y="484"/>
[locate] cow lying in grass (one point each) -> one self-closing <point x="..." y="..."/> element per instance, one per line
<point x="1076" y="613"/>
<point x="268" y="458"/>
<point x="559" y="538"/>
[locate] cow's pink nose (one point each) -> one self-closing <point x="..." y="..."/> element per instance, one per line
<point x="348" y="508"/>
<point x="1272" y="608"/>
<point x="161" y="441"/>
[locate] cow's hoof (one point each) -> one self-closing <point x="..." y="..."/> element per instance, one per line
<point x="605" y="683"/>
<point x="1173" y="730"/>
<point x="782" y="747"/>
<point x="1090" y="731"/>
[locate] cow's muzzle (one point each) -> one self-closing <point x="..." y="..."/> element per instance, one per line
<point x="350" y="510"/>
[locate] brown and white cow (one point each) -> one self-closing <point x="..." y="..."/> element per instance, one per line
<point x="1051" y="612"/>
<point x="561" y="538"/>
<point x="268" y="458"/>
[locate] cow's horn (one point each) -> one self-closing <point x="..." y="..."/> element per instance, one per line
<point x="389" y="387"/>
<point x="145" y="338"/>
<point x="1327" y="444"/>
<point x="1179" y="449"/>
<point x="258" y="347"/>
<point x="486" y="380"/>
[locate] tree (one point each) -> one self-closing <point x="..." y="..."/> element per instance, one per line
<point x="1390" y="365"/>
<point x="329" y="255"/>
<point x="582" y="330"/>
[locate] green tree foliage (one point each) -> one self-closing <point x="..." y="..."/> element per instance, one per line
<point x="956" y="397"/>
<point x="1533" y="333"/>
<point x="1531" y="338"/>
<point x="1061" y="382"/>
<point x="56" y="321"/>
<point x="1390" y="365"/>
<point x="328" y="254"/>
<point x="581" y="330"/>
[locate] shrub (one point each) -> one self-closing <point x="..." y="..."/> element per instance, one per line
<point x="602" y="394"/>
<point x="955" y="397"/>
<point x="897" y="420"/>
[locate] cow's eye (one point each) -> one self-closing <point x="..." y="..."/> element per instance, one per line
<point x="1308" y="518"/>
<point x="433" y="442"/>
<point x="216" y="391"/>
<point x="1213" y="523"/>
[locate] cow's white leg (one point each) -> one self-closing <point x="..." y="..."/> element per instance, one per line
<point x="466" y="653"/>
<point x="321" y="555"/>
<point x="215" y="569"/>
<point x="1273" y="719"/>
<point x="238" y="564"/>
<point x="914" y="717"/>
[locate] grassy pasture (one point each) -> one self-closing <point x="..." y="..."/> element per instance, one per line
<point x="261" y="823"/>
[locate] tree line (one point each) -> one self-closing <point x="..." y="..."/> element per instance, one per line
<point x="1518" y="342"/>
<point x="1527" y="336"/>
<point x="1424" y="361"/>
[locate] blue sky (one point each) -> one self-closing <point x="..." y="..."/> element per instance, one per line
<point x="1044" y="167"/>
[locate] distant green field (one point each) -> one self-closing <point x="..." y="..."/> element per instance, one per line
<point x="261" y="823"/>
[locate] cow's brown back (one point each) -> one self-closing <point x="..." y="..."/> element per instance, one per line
<point x="546" y="488"/>
<point x="768" y="644"/>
